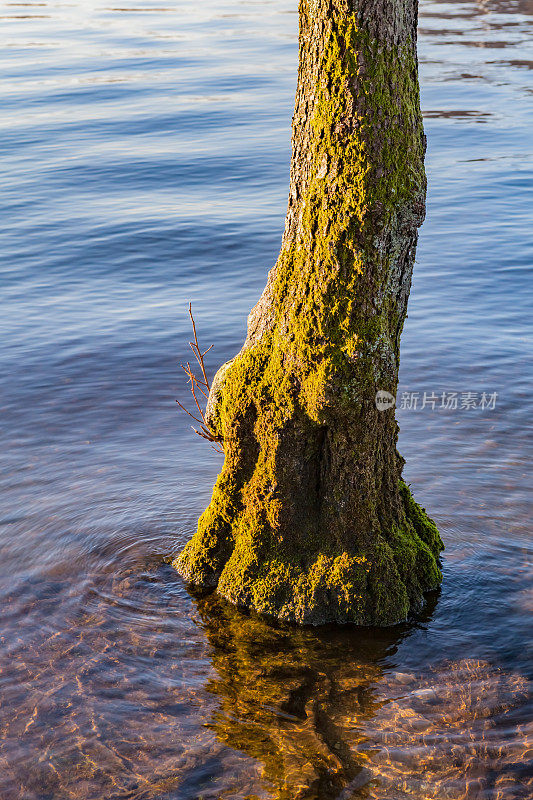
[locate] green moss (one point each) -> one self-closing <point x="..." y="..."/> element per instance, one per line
<point x="328" y="346"/>
<point x="423" y="524"/>
<point x="378" y="587"/>
<point x="322" y="330"/>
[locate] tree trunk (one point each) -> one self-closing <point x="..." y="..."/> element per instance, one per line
<point x="309" y="520"/>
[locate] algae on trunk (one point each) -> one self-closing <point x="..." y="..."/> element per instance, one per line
<point x="309" y="520"/>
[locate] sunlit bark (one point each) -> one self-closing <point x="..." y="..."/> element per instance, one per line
<point x="309" y="519"/>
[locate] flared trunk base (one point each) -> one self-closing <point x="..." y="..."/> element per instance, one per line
<point x="381" y="585"/>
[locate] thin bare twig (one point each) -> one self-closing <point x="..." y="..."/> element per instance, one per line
<point x="202" y="385"/>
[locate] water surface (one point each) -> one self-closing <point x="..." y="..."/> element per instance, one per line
<point x="146" y="151"/>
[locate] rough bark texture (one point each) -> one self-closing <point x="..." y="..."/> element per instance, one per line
<point x="309" y="519"/>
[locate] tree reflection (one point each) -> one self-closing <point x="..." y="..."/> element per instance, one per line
<point x="327" y="716"/>
<point x="296" y="698"/>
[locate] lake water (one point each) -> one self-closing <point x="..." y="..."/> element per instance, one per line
<point x="145" y="165"/>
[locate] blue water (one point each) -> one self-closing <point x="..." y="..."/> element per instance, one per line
<point x="145" y="165"/>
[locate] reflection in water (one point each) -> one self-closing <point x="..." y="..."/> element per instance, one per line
<point x="293" y="698"/>
<point x="107" y="698"/>
<point x="319" y="710"/>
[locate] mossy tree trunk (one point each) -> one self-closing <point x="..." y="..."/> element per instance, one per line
<point x="309" y="519"/>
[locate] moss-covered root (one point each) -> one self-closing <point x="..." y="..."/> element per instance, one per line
<point x="381" y="587"/>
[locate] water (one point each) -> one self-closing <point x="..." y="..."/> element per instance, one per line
<point x="145" y="152"/>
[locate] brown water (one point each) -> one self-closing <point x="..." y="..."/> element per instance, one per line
<point x="146" y="156"/>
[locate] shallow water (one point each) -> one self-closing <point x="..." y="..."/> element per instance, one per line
<point x="145" y="165"/>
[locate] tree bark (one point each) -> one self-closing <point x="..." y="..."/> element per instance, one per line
<point x="310" y="520"/>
